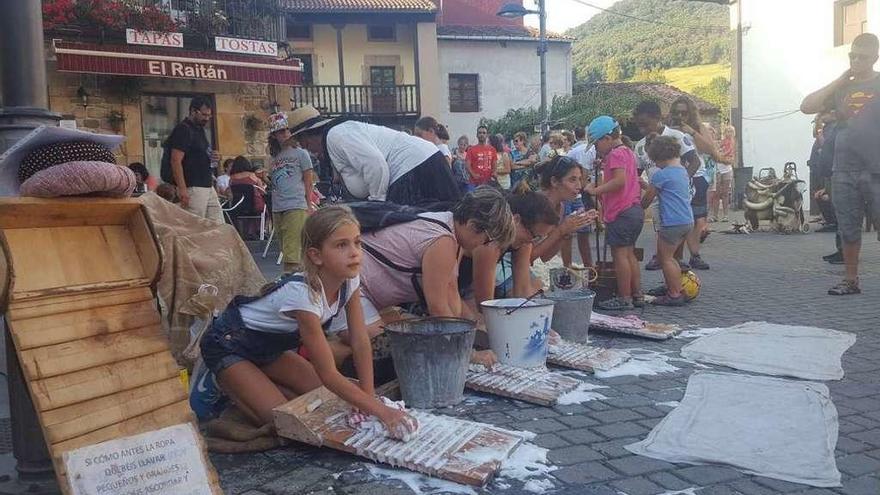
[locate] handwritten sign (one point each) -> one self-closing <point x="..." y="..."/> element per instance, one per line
<point x="167" y="461"/>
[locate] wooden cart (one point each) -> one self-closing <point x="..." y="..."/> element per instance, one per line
<point x="76" y="284"/>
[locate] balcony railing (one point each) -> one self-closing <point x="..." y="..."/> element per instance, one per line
<point x="399" y="100"/>
<point x="256" y="19"/>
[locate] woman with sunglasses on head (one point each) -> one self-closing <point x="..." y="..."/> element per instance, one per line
<point x="684" y="116"/>
<point x="560" y="180"/>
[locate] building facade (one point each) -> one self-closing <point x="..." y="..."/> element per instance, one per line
<point x="366" y="59"/>
<point x="489" y="65"/>
<point x="783" y="61"/>
<point x="374" y="60"/>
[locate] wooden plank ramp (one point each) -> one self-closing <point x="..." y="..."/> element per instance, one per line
<point x="449" y="448"/>
<point x="585" y="357"/>
<point x="633" y="325"/>
<point x="536" y="385"/>
<point x="77" y="278"/>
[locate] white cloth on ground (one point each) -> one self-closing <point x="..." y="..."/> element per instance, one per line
<point x="782" y="350"/>
<point x="773" y="427"/>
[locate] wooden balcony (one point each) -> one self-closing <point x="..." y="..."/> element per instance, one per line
<point x="360" y="101"/>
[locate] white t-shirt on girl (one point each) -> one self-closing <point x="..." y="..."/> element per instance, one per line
<point x="267" y="314"/>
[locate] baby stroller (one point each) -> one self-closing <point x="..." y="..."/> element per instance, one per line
<point x="779" y="200"/>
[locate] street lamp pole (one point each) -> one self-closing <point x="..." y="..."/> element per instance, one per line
<point x="516" y="10"/>
<point x="24" y="107"/>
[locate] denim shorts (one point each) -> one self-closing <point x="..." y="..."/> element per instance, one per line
<point x="674" y="234"/>
<point x="625" y="229"/>
<point x="700" y="201"/>
<point x="569" y="207"/>
<point x="855" y="192"/>
<point x="228" y="341"/>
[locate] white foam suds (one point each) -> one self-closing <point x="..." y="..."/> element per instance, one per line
<point x="671" y="403"/>
<point x="475" y="400"/>
<point x="642" y="362"/>
<point x="538" y="486"/>
<point x="698" y="332"/>
<point x="686" y="491"/>
<point x="528" y="461"/>
<point x="418" y="483"/>
<point x="581" y="394"/>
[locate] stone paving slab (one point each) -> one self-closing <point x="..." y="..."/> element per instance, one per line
<point x="762" y="276"/>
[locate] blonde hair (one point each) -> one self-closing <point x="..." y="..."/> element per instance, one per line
<point x="556" y="140"/>
<point x="317" y="229"/>
<point x="487" y="208"/>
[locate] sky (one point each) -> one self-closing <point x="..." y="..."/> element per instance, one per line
<point x="565" y="14"/>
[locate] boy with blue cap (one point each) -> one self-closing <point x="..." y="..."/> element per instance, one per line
<point x="620" y="192"/>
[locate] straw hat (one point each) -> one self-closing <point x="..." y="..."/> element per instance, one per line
<point x="305" y="118"/>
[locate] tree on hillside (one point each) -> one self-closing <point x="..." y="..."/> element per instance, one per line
<point x="717" y="92"/>
<point x="680" y="34"/>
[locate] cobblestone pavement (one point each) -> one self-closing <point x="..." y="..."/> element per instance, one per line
<point x="762" y="276"/>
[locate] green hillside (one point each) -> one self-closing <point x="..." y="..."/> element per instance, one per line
<point x="690" y="78"/>
<point x="612" y="48"/>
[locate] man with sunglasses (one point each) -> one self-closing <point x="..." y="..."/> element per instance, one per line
<point x="855" y="175"/>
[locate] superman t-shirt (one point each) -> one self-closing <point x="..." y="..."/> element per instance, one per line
<point x="848" y="102"/>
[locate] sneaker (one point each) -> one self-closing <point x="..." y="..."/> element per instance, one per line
<point x="725" y="220"/>
<point x="836" y="260"/>
<point x="653" y="265"/>
<point x="845" y="288"/>
<point x="657" y="291"/>
<point x="684" y="266"/>
<point x="835" y="254"/>
<point x="205" y="397"/>
<point x="697" y="263"/>
<point x="616" y="304"/>
<point x="828" y="227"/>
<point x="712" y="219"/>
<point x="666" y="300"/>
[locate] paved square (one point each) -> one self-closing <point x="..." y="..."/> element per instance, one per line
<point x="762" y="276"/>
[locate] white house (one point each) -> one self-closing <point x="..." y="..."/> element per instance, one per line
<point x="791" y="48"/>
<point x="489" y="65"/>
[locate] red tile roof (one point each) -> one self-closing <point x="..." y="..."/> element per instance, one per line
<point x="359" y="6"/>
<point x="491" y="32"/>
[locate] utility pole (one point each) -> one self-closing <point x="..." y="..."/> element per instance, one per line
<point x="542" y="53"/>
<point x="24" y="108"/>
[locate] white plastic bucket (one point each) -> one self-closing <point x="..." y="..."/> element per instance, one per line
<point x="519" y="338"/>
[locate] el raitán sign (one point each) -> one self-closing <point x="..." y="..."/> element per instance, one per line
<point x="149" y="61"/>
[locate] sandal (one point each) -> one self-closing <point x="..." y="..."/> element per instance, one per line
<point x="845" y="288"/>
<point x="652" y="265"/>
<point x="615" y="304"/>
<point x="657" y="291"/>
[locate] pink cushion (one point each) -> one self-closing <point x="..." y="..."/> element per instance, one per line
<point x="81" y="178"/>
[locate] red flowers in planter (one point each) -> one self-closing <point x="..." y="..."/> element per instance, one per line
<point x="108" y="15"/>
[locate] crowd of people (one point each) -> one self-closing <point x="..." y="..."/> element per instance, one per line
<point x="431" y="228"/>
<point x="442" y="230"/>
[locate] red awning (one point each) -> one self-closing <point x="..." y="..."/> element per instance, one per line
<point x="180" y="64"/>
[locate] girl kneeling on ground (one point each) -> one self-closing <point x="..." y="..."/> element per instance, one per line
<point x="672" y="184"/>
<point x="251" y="346"/>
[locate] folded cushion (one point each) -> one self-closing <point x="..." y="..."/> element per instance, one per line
<point x="79" y="178"/>
<point x="56" y="153"/>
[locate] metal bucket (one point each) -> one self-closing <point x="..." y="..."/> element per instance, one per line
<point x="431" y="357"/>
<point x="518" y="335"/>
<point x="571" y="313"/>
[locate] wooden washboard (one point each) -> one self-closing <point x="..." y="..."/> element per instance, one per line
<point x="76" y="283"/>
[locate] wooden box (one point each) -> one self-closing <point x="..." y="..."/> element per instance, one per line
<point x="76" y="284"/>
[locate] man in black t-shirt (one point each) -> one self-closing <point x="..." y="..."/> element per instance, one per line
<point x="191" y="157"/>
<point x="855" y="179"/>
